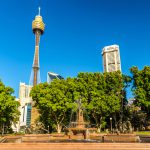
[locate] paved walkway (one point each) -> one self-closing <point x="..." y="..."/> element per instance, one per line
<point x="75" y="146"/>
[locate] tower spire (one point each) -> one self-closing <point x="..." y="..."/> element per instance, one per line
<point x="39" y="10"/>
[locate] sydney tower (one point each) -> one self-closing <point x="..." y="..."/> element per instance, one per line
<point x="38" y="29"/>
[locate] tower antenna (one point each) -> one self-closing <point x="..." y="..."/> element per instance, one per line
<point x="39" y="11"/>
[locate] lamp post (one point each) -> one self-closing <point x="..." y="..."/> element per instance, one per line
<point x="122" y="94"/>
<point x="110" y="124"/>
<point x="48" y="129"/>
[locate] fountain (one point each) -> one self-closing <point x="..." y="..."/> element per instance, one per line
<point x="79" y="129"/>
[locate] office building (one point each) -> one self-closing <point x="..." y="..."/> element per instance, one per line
<point x="25" y="105"/>
<point x="51" y="76"/>
<point x="111" y="58"/>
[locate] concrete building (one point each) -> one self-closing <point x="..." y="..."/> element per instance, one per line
<point x="25" y="105"/>
<point x="51" y="76"/>
<point x="111" y="58"/>
<point x="15" y="125"/>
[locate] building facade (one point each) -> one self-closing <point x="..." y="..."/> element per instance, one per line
<point x="111" y="58"/>
<point x="51" y="76"/>
<point x="25" y="105"/>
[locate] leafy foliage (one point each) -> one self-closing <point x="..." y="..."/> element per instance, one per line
<point x="53" y="102"/>
<point x="8" y="107"/>
<point x="141" y="87"/>
<point x="101" y="96"/>
<point x="141" y="91"/>
<point x="106" y="96"/>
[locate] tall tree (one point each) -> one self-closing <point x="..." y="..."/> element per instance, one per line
<point x="101" y="94"/>
<point x="107" y="99"/>
<point x="8" y="107"/>
<point x="141" y="87"/>
<point x="141" y="91"/>
<point x="52" y="101"/>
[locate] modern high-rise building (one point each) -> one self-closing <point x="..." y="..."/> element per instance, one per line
<point x="25" y="105"/>
<point x="111" y="58"/>
<point x="51" y="76"/>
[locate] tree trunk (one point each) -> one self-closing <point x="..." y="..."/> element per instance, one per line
<point x="115" y="120"/>
<point x="99" y="128"/>
<point x="58" y="128"/>
<point x="3" y="129"/>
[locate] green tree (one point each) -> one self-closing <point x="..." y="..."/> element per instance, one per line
<point x="137" y="117"/>
<point x="107" y="100"/>
<point x="8" y="107"/>
<point x="101" y="94"/>
<point x="141" y="87"/>
<point x="141" y="91"/>
<point x="53" y="102"/>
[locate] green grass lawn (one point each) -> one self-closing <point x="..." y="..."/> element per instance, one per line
<point x="143" y="133"/>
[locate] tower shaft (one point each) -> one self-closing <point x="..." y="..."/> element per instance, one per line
<point x="36" y="58"/>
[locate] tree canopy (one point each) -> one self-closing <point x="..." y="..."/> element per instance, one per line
<point x="141" y="87"/>
<point x="8" y="107"/>
<point x="101" y="95"/>
<point x="53" y="102"/>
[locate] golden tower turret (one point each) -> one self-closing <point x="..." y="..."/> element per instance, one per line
<point x="38" y="24"/>
<point x="38" y="29"/>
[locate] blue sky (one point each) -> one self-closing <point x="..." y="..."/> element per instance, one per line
<point x="75" y="33"/>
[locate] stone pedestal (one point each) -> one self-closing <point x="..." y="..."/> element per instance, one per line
<point x="34" y="116"/>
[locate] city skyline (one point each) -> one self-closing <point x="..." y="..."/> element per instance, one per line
<point x="75" y="34"/>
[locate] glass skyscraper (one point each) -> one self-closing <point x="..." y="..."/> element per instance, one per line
<point x="51" y="76"/>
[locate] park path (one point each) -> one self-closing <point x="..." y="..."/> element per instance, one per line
<point x="75" y="146"/>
